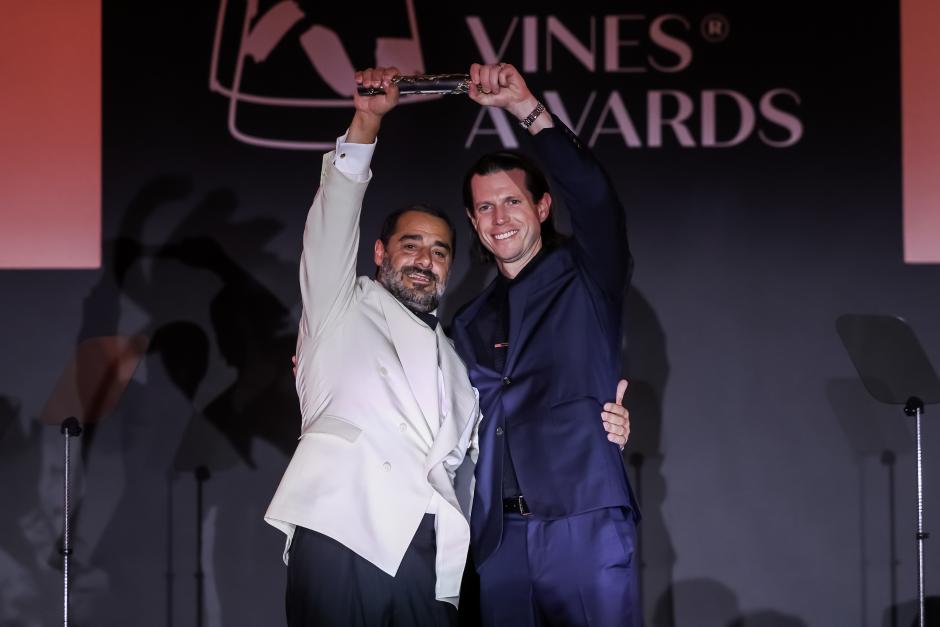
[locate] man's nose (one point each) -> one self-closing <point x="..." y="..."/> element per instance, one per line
<point x="499" y="214"/>
<point x="423" y="258"/>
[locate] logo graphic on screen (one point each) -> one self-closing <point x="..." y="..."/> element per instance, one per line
<point x="279" y="62"/>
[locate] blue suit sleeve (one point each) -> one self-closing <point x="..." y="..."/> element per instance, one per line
<point x="598" y="221"/>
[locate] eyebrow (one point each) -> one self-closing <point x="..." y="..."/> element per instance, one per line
<point x="418" y="238"/>
<point x="491" y="202"/>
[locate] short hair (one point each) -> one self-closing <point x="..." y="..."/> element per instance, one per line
<point x="390" y="224"/>
<point x="535" y="182"/>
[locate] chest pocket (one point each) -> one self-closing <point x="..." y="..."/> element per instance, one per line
<point x="332" y="425"/>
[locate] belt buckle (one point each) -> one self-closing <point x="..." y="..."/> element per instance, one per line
<point x="523" y="506"/>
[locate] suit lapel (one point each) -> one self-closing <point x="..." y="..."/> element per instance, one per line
<point x="461" y="403"/>
<point x="530" y="297"/>
<point x="461" y="407"/>
<point x="416" y="346"/>
<point x="462" y="321"/>
<point x="518" y="296"/>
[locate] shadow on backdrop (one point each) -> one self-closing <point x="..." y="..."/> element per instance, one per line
<point x="25" y="537"/>
<point x="905" y="614"/>
<point x="709" y="603"/>
<point x="767" y="618"/>
<point x="646" y="367"/>
<point x="254" y="333"/>
<point x="255" y="336"/>
<point x="876" y="436"/>
<point x="131" y="533"/>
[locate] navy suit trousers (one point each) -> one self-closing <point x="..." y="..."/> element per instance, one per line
<point x="577" y="570"/>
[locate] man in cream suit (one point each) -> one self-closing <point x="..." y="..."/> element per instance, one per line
<point x="375" y="535"/>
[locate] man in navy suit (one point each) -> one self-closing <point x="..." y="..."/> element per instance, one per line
<point x="553" y="519"/>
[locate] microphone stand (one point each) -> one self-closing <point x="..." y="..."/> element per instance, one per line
<point x="915" y="407"/>
<point x="70" y="428"/>
<point x="88" y="390"/>
<point x="202" y="475"/>
<point x="895" y="369"/>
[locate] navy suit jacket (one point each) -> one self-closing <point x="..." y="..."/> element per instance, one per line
<point x="563" y="360"/>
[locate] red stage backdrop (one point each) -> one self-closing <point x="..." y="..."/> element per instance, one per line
<point x="920" y="98"/>
<point x="50" y="152"/>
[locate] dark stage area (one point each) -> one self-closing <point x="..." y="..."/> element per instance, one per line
<point x="759" y="152"/>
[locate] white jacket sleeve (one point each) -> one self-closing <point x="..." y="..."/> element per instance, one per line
<point x="330" y="247"/>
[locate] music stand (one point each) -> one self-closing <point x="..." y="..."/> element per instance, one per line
<point x="895" y="369"/>
<point x="87" y="392"/>
<point x="203" y="449"/>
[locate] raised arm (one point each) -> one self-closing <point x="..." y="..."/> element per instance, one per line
<point x="598" y="222"/>
<point x="597" y="216"/>
<point x="331" y="233"/>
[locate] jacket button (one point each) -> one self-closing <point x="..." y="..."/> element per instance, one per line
<point x="506" y="380"/>
<point x="499" y="430"/>
<point x="387" y="467"/>
<point x="383" y="372"/>
<point x="403" y="427"/>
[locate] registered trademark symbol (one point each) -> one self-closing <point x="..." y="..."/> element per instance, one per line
<point x="715" y="27"/>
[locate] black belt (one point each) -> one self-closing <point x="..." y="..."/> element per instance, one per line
<point x="517" y="505"/>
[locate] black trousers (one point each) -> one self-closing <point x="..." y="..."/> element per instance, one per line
<point x="330" y="586"/>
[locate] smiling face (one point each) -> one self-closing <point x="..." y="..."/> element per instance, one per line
<point x="414" y="265"/>
<point x="507" y="219"/>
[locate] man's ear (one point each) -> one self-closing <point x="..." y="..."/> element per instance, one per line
<point x="544" y="207"/>
<point x="378" y="253"/>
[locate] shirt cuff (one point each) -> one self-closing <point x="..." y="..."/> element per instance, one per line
<point x="353" y="160"/>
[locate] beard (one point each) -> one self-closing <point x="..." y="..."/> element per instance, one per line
<point x="415" y="299"/>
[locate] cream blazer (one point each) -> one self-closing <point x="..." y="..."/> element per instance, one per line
<point x="367" y="467"/>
